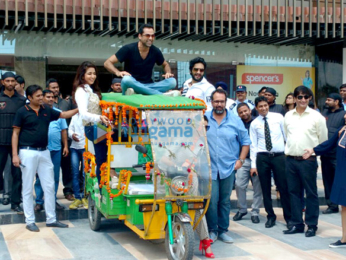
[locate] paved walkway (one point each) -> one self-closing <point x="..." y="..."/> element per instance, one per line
<point x="116" y="241"/>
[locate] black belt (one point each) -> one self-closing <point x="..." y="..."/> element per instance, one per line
<point x="269" y="154"/>
<point x="300" y="158"/>
<point x="33" y="148"/>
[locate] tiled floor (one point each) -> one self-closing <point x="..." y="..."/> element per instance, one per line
<point x="116" y="241"/>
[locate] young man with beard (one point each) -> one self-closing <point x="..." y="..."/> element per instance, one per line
<point x="10" y="102"/>
<point x="241" y="94"/>
<point x="63" y="105"/>
<point x="334" y="114"/>
<point x="198" y="86"/>
<point x="140" y="58"/>
<point x="305" y="128"/>
<point x="116" y="86"/>
<point x="57" y="135"/>
<point x="243" y="176"/>
<point x="226" y="137"/>
<point x="30" y="135"/>
<point x="267" y="156"/>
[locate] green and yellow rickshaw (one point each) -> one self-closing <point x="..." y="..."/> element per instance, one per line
<point x="158" y="150"/>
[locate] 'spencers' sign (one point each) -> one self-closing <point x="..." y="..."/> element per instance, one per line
<point x="262" y="78"/>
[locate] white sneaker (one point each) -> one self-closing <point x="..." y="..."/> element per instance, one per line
<point x="173" y="93"/>
<point x="130" y="92"/>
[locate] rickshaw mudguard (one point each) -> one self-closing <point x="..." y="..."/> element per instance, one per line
<point x="183" y="217"/>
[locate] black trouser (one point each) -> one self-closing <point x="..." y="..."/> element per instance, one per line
<point x="265" y="165"/>
<point x="302" y="174"/>
<point x="66" y="172"/>
<point x="6" y="150"/>
<point x="328" y="173"/>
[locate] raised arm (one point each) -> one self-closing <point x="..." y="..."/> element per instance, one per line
<point x="69" y="113"/>
<point x="109" y="65"/>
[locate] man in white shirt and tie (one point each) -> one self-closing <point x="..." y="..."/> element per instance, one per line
<point x="305" y="128"/>
<point x="267" y="156"/>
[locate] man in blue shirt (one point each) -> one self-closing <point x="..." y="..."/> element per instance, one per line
<point x="57" y="132"/>
<point x="226" y="137"/>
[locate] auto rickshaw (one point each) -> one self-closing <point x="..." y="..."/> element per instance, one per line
<point x="158" y="149"/>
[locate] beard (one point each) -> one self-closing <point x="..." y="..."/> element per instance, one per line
<point x="197" y="80"/>
<point x="219" y="111"/>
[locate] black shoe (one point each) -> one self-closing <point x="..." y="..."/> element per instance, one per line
<point x="270" y="223"/>
<point x="5" y="201"/>
<point x="239" y="216"/>
<point x="32" y="227"/>
<point x="330" y="210"/>
<point x="57" y="224"/>
<point x="337" y="244"/>
<point x="311" y="232"/>
<point x="294" y="230"/>
<point x="38" y="207"/>
<point x="17" y="208"/>
<point x="255" y="219"/>
<point x="58" y="206"/>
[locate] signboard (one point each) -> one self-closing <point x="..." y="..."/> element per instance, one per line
<point x="283" y="79"/>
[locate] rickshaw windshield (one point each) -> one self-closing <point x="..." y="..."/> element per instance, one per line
<point x="180" y="153"/>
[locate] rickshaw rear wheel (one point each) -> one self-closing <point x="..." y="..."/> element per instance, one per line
<point x="94" y="215"/>
<point x="184" y="241"/>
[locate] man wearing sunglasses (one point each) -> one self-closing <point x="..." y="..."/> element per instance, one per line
<point x="305" y="128"/>
<point x="198" y="86"/>
<point x="139" y="60"/>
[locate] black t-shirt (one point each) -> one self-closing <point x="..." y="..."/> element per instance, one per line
<point x="140" y="69"/>
<point x="8" y="109"/>
<point x="34" y="127"/>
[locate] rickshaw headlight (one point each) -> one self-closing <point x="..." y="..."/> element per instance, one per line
<point x="148" y="207"/>
<point x="196" y="205"/>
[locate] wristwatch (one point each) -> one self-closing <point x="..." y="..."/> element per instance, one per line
<point x="242" y="161"/>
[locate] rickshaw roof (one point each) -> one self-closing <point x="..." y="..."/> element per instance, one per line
<point x="154" y="101"/>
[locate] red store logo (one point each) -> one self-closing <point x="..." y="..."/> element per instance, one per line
<point x="262" y="78"/>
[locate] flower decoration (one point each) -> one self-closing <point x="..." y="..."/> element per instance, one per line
<point x="160" y="145"/>
<point x="201" y="145"/>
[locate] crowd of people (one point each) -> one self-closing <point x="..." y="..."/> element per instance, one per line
<point x="42" y="133"/>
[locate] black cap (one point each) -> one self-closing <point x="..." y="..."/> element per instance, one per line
<point x="241" y="88"/>
<point x="8" y="75"/>
<point x="116" y="80"/>
<point x="271" y="91"/>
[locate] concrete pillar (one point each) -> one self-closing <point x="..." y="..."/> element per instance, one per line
<point x="32" y="69"/>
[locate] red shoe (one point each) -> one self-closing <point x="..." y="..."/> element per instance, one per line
<point x="203" y="246"/>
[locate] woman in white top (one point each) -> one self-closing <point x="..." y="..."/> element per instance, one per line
<point x="87" y="95"/>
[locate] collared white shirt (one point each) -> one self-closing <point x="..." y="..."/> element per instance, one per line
<point x="257" y="136"/>
<point x="82" y="100"/>
<point x="201" y="90"/>
<point x="304" y="131"/>
<point x="76" y="127"/>
<point x="344" y="106"/>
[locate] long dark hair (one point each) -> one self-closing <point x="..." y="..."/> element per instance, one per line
<point x="286" y="107"/>
<point x="79" y="79"/>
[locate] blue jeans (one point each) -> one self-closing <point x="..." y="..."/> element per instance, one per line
<point x="100" y="149"/>
<point x="56" y="160"/>
<point x="156" y="88"/>
<point x="220" y="204"/>
<point x="76" y="160"/>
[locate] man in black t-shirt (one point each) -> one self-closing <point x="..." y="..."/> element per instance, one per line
<point x="30" y="134"/>
<point x="140" y="58"/>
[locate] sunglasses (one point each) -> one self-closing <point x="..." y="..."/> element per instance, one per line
<point x="301" y="97"/>
<point x="196" y="69"/>
<point x="149" y="35"/>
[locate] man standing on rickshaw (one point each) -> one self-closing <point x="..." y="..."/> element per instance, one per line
<point x="140" y="58"/>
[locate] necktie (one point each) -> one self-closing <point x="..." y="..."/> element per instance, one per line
<point x="268" y="139"/>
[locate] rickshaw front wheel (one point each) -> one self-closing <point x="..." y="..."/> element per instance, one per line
<point x="94" y="215"/>
<point x="184" y="241"/>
